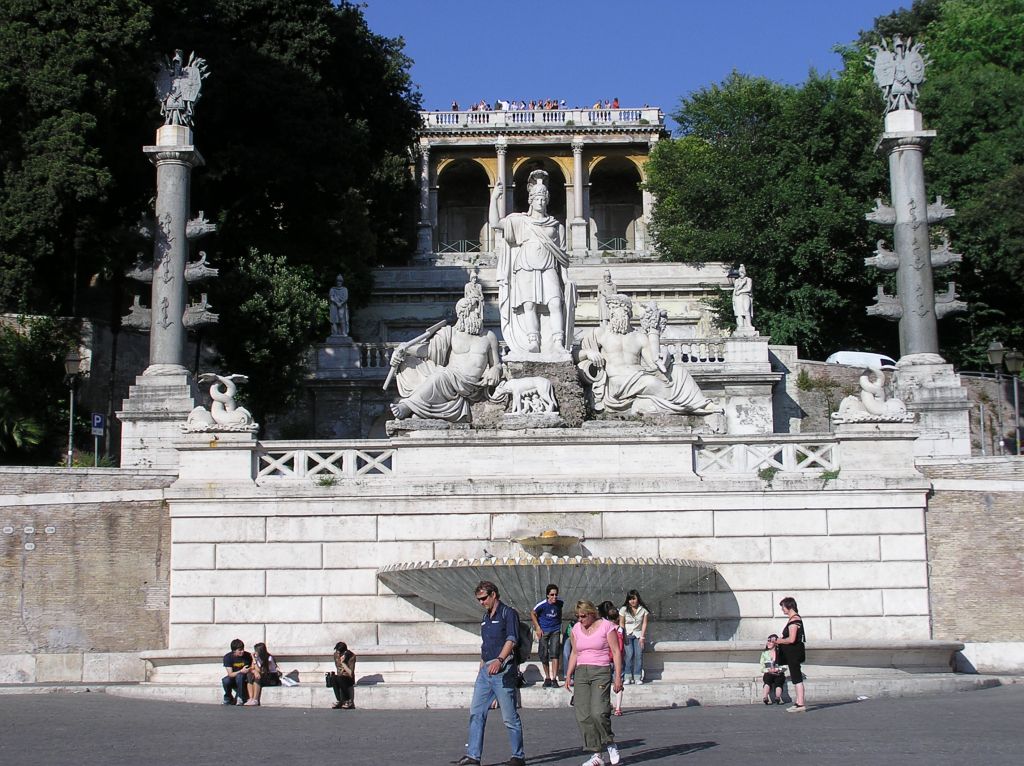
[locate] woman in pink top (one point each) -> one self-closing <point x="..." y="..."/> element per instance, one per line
<point x="589" y="675"/>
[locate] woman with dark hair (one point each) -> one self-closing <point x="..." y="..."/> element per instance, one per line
<point x="610" y="612"/>
<point x="263" y="672"/>
<point x="773" y="677"/>
<point x="344" y="679"/>
<point x="790" y="647"/>
<point x="633" y="621"/>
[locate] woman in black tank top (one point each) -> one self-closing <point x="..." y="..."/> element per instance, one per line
<point x="790" y="647"/>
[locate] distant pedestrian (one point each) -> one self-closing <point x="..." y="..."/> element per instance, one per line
<point x="791" y="649"/>
<point x="595" y="670"/>
<point x="455" y="106"/>
<point x="547" y="624"/>
<point x="237" y="662"/>
<point x="496" y="679"/>
<point x="633" y="621"/>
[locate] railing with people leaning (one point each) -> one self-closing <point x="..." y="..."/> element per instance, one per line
<point x="543" y="118"/>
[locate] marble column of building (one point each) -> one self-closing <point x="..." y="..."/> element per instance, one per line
<point x="648" y="201"/>
<point x="501" y="153"/>
<point x="425" y="227"/>
<point x="578" y="225"/>
<point x="174" y="157"/>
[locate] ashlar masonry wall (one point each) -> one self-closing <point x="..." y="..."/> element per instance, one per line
<point x="294" y="564"/>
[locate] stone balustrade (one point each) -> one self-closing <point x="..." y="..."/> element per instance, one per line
<point x="543" y="118"/>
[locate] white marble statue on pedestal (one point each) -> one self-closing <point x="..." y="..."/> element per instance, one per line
<point x="605" y="291"/>
<point x="533" y="276"/>
<point x="872" y="405"/>
<point x="626" y="373"/>
<point x="338" y="300"/>
<point x="743" y="303"/>
<point x="440" y="376"/>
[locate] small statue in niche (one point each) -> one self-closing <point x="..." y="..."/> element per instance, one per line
<point x="338" y="300"/>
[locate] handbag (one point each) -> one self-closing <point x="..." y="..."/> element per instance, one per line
<point x="329" y="679"/>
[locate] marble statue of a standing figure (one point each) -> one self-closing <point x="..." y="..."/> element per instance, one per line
<point x="743" y="303"/>
<point x="605" y="291"/>
<point x="533" y="274"/>
<point x="338" y="299"/>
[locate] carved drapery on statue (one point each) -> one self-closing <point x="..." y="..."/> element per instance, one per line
<point x="534" y="288"/>
<point x="625" y="373"/>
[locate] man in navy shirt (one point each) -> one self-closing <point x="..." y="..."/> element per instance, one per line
<point x="237" y="663"/>
<point x="496" y="679"/>
<point x="547" y="624"/>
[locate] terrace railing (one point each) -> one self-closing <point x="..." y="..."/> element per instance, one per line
<point x="543" y="118"/>
<point x="322" y="461"/>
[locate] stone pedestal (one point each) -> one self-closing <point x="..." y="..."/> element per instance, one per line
<point x="227" y="455"/>
<point x="931" y="389"/>
<point x="747" y="382"/>
<point x="563" y="375"/>
<point x="424" y="240"/>
<point x="578" y="237"/>
<point x="151" y="420"/>
<point x="336" y="354"/>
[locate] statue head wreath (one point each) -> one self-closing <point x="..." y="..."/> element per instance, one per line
<point x="620" y="301"/>
<point x="538" y="186"/>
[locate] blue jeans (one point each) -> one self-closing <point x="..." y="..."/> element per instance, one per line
<point x="487" y="688"/>
<point x="238" y="684"/>
<point x="634" y="660"/>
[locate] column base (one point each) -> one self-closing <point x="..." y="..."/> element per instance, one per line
<point x="152" y="418"/>
<point x="931" y="389"/>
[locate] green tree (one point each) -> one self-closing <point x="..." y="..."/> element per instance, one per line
<point x="778" y="178"/>
<point x="33" y="394"/>
<point x="267" y="337"/>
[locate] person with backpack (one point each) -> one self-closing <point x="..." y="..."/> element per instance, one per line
<point x="496" y="679"/>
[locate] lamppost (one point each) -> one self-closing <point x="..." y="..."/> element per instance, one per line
<point x="995" y="353"/>
<point x="1014" y="361"/>
<point x="72" y="369"/>
<point x="998" y="355"/>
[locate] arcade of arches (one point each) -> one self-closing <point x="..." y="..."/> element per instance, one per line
<point x="612" y="204"/>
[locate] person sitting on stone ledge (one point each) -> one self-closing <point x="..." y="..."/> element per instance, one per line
<point x="439" y="377"/>
<point x="344" y="679"/>
<point x="626" y="374"/>
<point x="262" y="672"/>
<point x="237" y="662"/>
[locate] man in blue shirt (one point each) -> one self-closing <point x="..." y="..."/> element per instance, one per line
<point x="237" y="663"/>
<point x="496" y="679"/>
<point x="547" y="624"/>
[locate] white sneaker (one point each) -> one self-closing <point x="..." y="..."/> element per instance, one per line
<point x="639" y="682"/>
<point x="613" y="754"/>
<point x="596" y="760"/>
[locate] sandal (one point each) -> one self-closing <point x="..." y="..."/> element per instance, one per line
<point x="618" y="712"/>
<point x="766" y="701"/>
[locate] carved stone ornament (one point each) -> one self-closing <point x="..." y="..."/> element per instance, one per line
<point x="224" y="414"/>
<point x="871" y="405"/>
<point x="525" y="396"/>
<point x="898" y="71"/>
<point x="178" y="87"/>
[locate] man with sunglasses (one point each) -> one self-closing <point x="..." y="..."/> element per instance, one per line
<point x="496" y="679"/>
<point x="547" y="626"/>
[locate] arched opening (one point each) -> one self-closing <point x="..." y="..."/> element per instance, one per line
<point x="462" y="199"/>
<point x="556" y="186"/>
<point x="616" y="205"/>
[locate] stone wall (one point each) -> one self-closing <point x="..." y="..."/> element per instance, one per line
<point x="84" y="562"/>
<point x="975" y="528"/>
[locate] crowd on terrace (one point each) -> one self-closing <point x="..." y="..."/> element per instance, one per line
<point x="504" y="105"/>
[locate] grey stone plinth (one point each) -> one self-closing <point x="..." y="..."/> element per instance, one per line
<point x="336" y="354"/>
<point x="516" y="422"/>
<point x="397" y="427"/>
<point x="151" y="419"/>
<point x="933" y="391"/>
<point x="564" y="377"/>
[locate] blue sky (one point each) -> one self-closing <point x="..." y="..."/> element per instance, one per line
<point x="654" y="52"/>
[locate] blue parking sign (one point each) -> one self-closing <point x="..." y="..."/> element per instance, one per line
<point x="99" y="423"/>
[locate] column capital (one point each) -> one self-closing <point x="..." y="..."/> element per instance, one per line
<point x="501" y="147"/>
<point x="577" y="146"/>
<point x="183" y="155"/>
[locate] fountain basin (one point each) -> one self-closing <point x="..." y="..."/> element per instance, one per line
<point x="450" y="583"/>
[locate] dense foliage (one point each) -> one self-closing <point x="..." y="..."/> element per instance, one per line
<point x="304" y="122"/>
<point x="780" y="177"/>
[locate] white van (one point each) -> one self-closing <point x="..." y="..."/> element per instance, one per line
<point x="862" y="359"/>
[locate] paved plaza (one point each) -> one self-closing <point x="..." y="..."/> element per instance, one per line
<point x="92" y="728"/>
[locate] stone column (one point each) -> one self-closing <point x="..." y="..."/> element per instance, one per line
<point x="918" y="325"/>
<point x="425" y="230"/>
<point x="501" y="150"/>
<point x="162" y="397"/>
<point x="174" y="157"/>
<point x="578" y="225"/>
